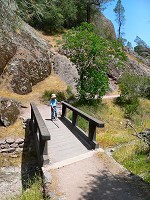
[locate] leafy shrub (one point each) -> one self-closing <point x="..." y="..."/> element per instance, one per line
<point x="132" y="87"/>
<point x="70" y="94"/>
<point x="61" y="96"/>
<point x="129" y="94"/>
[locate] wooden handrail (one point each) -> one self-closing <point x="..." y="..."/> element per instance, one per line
<point x="41" y="135"/>
<point x="93" y="123"/>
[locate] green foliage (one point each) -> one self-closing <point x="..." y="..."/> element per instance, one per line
<point x="60" y="95"/>
<point x="129" y="45"/>
<point x="91" y="54"/>
<point x="132" y="87"/>
<point x="53" y="16"/>
<point x="34" y="191"/>
<point x="135" y="160"/>
<point x="142" y="48"/>
<point x="69" y="93"/>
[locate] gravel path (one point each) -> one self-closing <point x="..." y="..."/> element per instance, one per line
<point x="98" y="178"/>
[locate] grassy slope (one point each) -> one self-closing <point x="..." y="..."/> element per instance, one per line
<point x="129" y="151"/>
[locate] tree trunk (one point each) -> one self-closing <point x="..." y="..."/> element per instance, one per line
<point x="88" y="13"/>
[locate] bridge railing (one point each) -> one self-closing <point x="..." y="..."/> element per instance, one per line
<point x="41" y="135"/>
<point x="93" y="123"/>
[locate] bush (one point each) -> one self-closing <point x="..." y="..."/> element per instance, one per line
<point x="132" y="87"/>
<point x="70" y="94"/>
<point x="129" y="94"/>
<point x="61" y="96"/>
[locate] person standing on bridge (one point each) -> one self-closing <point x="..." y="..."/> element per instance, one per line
<point x="53" y="103"/>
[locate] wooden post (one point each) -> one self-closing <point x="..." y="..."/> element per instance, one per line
<point x="92" y="131"/>
<point x="74" y="118"/>
<point x="63" y="110"/>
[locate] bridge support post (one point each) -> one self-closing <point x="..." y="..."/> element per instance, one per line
<point x="93" y="123"/>
<point x="74" y="119"/>
<point x="63" y="110"/>
<point x="92" y="135"/>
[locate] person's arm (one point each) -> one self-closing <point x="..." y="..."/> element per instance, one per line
<point x="51" y="104"/>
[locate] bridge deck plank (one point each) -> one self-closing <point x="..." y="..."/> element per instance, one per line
<point x="63" y="144"/>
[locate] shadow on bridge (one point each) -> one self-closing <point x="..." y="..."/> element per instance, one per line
<point x="77" y="132"/>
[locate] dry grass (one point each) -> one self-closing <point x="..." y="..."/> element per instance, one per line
<point x="53" y="40"/>
<point x="115" y="131"/>
<point x="131" y="57"/>
<point x="53" y="82"/>
<point x="7" y="160"/>
<point x="14" y="131"/>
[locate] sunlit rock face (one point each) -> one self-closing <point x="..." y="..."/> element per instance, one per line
<point x="9" y="111"/>
<point x="25" y="57"/>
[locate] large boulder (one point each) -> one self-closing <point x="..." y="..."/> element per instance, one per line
<point x="25" y="56"/>
<point x="9" y="111"/>
<point x="103" y="26"/>
<point x="66" y="70"/>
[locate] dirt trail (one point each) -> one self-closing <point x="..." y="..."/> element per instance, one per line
<point x="99" y="178"/>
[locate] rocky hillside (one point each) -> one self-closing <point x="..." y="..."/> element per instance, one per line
<point x="103" y="26"/>
<point x="25" y="57"/>
<point x="135" y="64"/>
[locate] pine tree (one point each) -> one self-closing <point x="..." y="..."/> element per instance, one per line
<point x="120" y="17"/>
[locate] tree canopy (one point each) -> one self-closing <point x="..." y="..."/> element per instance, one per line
<point x="53" y="15"/>
<point x="91" y="54"/>
<point x="120" y="17"/>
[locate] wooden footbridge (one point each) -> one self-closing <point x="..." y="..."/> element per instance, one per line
<point x="61" y="140"/>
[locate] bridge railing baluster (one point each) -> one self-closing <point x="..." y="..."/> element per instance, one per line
<point x="93" y="123"/>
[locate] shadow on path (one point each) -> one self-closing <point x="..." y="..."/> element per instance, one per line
<point x="109" y="187"/>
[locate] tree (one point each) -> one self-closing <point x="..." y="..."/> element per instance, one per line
<point x="91" y="54"/>
<point x="142" y="48"/>
<point x="120" y="17"/>
<point x="129" y="45"/>
<point x="53" y="15"/>
<point x="140" y="42"/>
<point x="97" y="3"/>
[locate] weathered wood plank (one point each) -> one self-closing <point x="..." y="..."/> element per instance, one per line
<point x="63" y="144"/>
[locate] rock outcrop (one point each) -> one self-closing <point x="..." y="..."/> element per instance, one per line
<point x="103" y="26"/>
<point x="25" y="57"/>
<point x="135" y="64"/>
<point x="66" y="70"/>
<point x="9" y="111"/>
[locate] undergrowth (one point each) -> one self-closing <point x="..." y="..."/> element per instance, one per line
<point x="34" y="191"/>
<point x="136" y="158"/>
<point x="60" y="95"/>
